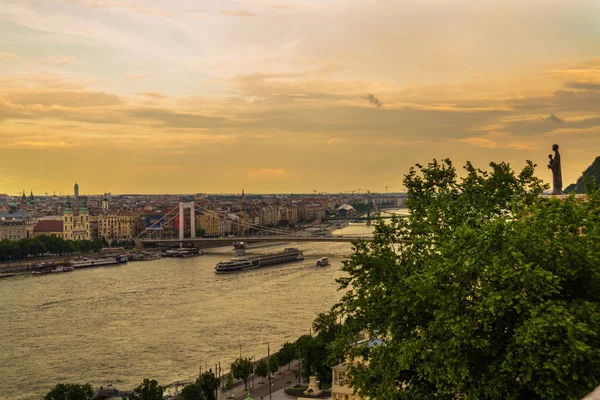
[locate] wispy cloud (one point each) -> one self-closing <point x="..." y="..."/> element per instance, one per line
<point x="8" y="57"/>
<point x="237" y="13"/>
<point x="65" y="60"/>
<point x="154" y="95"/>
<point x="138" y="76"/>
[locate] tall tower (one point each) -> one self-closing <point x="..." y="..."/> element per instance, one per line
<point x="76" y="191"/>
<point x="84" y="219"/>
<point x="105" y="202"/>
<point x="68" y="221"/>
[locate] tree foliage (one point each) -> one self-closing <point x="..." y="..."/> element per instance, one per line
<point x="70" y="391"/>
<point x="287" y="354"/>
<point x="241" y="369"/>
<point x="204" y="388"/>
<point x="147" y="390"/>
<point x="262" y="369"/>
<point x="229" y="384"/>
<point x="485" y="291"/>
<point x="273" y="364"/>
<point x="42" y="245"/>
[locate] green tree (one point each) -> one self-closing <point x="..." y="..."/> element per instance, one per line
<point x="262" y="370"/>
<point x="229" y="384"/>
<point x="273" y="364"/>
<point x="204" y="388"/>
<point x="241" y="369"/>
<point x="147" y="390"/>
<point x="287" y="354"/>
<point x="70" y="391"/>
<point x="485" y="291"/>
<point x="326" y="326"/>
<point x="313" y="352"/>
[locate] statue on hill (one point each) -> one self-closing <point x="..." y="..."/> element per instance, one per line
<point x="554" y="165"/>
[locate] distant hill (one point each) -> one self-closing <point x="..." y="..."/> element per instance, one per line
<point x="593" y="170"/>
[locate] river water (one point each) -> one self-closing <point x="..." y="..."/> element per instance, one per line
<point x="159" y="319"/>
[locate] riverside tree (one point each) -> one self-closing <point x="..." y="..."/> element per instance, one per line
<point x="485" y="291"/>
<point x="262" y="369"/>
<point x="204" y="388"/>
<point x="147" y="390"/>
<point x="241" y="369"/>
<point x="70" y="391"/>
<point x="287" y="354"/>
<point x="273" y="364"/>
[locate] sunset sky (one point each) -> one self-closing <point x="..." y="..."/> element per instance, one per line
<point x="186" y="96"/>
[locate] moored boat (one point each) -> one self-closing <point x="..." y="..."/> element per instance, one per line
<point x="183" y="252"/>
<point x="243" y="264"/>
<point x="98" y="262"/>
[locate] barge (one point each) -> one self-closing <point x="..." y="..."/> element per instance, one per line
<point x="98" y="262"/>
<point x="182" y="252"/>
<point x="247" y="263"/>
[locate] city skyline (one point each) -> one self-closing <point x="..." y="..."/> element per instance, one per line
<point x="156" y="96"/>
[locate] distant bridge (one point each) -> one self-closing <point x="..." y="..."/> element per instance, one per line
<point x="253" y="239"/>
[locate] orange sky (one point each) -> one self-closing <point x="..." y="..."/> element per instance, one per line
<point x="157" y="96"/>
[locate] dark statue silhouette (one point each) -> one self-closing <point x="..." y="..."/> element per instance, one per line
<point x="554" y="165"/>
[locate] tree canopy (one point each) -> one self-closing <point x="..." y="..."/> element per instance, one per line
<point x="287" y="354"/>
<point x="204" y="388"/>
<point x="262" y="369"/>
<point x="241" y="369"/>
<point x="147" y="390"/>
<point x="70" y="391"/>
<point x="485" y="291"/>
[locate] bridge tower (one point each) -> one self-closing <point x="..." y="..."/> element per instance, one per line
<point x="182" y="207"/>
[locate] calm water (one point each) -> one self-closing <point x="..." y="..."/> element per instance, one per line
<point x="159" y="319"/>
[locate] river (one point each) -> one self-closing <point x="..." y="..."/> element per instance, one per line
<point x="159" y="319"/>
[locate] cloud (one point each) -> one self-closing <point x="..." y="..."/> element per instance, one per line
<point x="138" y="75"/>
<point x="583" y="85"/>
<point x="373" y="100"/>
<point x="237" y="13"/>
<point x="267" y="173"/>
<point x="65" y="60"/>
<point x="479" y="142"/>
<point x="8" y="57"/>
<point x="154" y="95"/>
<point x="554" y="119"/>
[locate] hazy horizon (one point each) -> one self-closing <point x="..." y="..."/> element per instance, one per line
<point x="153" y="96"/>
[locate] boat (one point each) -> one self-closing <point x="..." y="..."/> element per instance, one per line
<point x="183" y="252"/>
<point x="323" y="261"/>
<point x="150" y="256"/>
<point x="246" y="263"/>
<point x="240" y="245"/>
<point x="2" y="276"/>
<point x="55" y="270"/>
<point x="98" y="262"/>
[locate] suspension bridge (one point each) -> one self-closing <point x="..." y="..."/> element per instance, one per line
<point x="153" y="235"/>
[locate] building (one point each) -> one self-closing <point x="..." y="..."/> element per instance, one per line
<point x="116" y="226"/>
<point x="49" y="227"/>
<point x="16" y="225"/>
<point x="209" y="222"/>
<point x="340" y="388"/>
<point x="76" y="227"/>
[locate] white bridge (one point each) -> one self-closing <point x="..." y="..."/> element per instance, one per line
<point x="153" y="234"/>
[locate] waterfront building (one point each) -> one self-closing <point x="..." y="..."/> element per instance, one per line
<point x="209" y="221"/>
<point x="16" y="225"/>
<point x="115" y="226"/>
<point x="76" y="227"/>
<point x="49" y="227"/>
